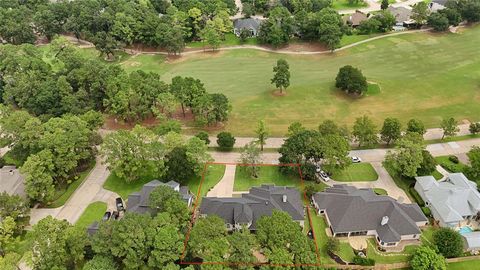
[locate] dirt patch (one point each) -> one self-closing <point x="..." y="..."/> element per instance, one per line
<point x="277" y="93"/>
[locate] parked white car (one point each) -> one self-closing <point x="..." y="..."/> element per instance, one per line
<point x="324" y="176"/>
<point x="356" y="160"/>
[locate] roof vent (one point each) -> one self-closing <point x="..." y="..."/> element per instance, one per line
<point x="384" y="220"/>
<point x="266" y="202"/>
<point x="284" y="198"/>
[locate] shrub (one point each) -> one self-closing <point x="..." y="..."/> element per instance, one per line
<point x="333" y="245"/>
<point x="225" y="140"/>
<point x="426" y="211"/>
<point x="202" y="135"/>
<point x="474" y="128"/>
<point x="363" y="261"/>
<point x="438" y="22"/>
<point x="168" y="126"/>
<point x="416" y="196"/>
<point x="351" y="80"/>
<point x="2" y="162"/>
<point x="448" y="242"/>
<point x="454" y="159"/>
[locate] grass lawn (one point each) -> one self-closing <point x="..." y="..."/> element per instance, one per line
<point x="472" y="264"/>
<point x="10" y="159"/>
<point x="437" y="175"/>
<point x="449" y="165"/>
<point x="346" y="252"/>
<point x="347" y="40"/>
<point x="267" y="175"/>
<point x="230" y="40"/>
<point x="405" y="183"/>
<point x="319" y="226"/>
<point x="345" y="4"/>
<point x="454" y="139"/>
<point x="380" y="191"/>
<point x="213" y="175"/>
<point x="388" y="257"/>
<point x="61" y="196"/>
<point x="122" y="188"/>
<point x="357" y="172"/>
<point x="94" y="212"/>
<point x="436" y="72"/>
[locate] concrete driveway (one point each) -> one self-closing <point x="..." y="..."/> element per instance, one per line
<point x="224" y="188"/>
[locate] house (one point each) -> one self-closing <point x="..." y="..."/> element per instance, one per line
<point x="440" y="2"/>
<point x="453" y="201"/>
<point x="356" y="18"/>
<point x="138" y="202"/>
<point x="258" y="202"/>
<point x="11" y="181"/>
<point x="435" y="7"/>
<point x="471" y="241"/>
<point x="355" y="212"/>
<point x="402" y="15"/>
<point x="251" y="24"/>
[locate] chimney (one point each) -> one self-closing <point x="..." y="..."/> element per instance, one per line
<point x="384" y="220"/>
<point x="284" y="198"/>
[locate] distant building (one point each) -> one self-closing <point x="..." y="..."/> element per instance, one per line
<point x="471" y="241"/>
<point x="356" y="18"/>
<point x="138" y="202"/>
<point x="258" y="202"/>
<point x="434" y="7"/>
<point x="402" y="15"/>
<point x="355" y="212"/>
<point x="11" y="181"/>
<point x="453" y="202"/>
<point x="250" y="24"/>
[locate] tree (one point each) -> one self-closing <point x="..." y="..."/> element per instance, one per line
<point x="39" y="172"/>
<point x="438" y="22"/>
<point x="241" y="245"/>
<point x="187" y="90"/>
<point x="210" y="35"/>
<point x="165" y="199"/>
<point x="391" y="130"/>
<point x="165" y="104"/>
<point x="386" y="19"/>
<point x="244" y="33"/>
<point x="251" y="157"/>
<point x="295" y="128"/>
<point x="449" y="126"/>
<point x="369" y="26"/>
<point x="278" y="28"/>
<point x="130" y="154"/>
<point x="425" y="258"/>
<point x="202" y="135"/>
<point x="474" y="128"/>
<point x="364" y="131"/>
<point x="262" y="133"/>
<point x="179" y="167"/>
<point x="333" y="245"/>
<point x="384" y="4"/>
<point x="351" y="80"/>
<point x="417" y="126"/>
<point x="57" y="244"/>
<point x="407" y="157"/>
<point x="474" y="158"/>
<point x="99" y="262"/>
<point x="15" y="207"/>
<point x="208" y="239"/>
<point x="328" y="127"/>
<point x="168" y="126"/>
<point x="225" y="140"/>
<point x="281" y="76"/>
<point x="420" y="12"/>
<point x="330" y="28"/>
<point x="106" y="44"/>
<point x="453" y="16"/>
<point x="7" y="230"/>
<point x="428" y="165"/>
<point x="448" y="242"/>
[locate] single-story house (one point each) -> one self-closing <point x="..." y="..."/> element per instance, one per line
<point x="138" y="202"/>
<point x="453" y="201"/>
<point x="441" y="2"/>
<point x="356" y="18"/>
<point x="402" y="15"/>
<point x="434" y="7"/>
<point x="350" y="211"/>
<point x="12" y="181"/>
<point x="251" y="24"/>
<point x="258" y="202"/>
<point x="471" y="241"/>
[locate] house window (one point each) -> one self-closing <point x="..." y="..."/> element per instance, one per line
<point x="391" y="244"/>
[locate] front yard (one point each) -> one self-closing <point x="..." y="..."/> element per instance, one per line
<point x="267" y="175"/>
<point x="94" y="212"/>
<point x="358" y="172"/>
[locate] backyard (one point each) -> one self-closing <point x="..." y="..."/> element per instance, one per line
<point x="417" y="68"/>
<point x="358" y="172"/>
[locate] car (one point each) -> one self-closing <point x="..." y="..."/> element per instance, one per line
<point x="119" y="204"/>
<point x="106" y="216"/>
<point x="324" y="176"/>
<point x="310" y="234"/>
<point x="115" y="215"/>
<point x="356" y="160"/>
<point x="318" y="169"/>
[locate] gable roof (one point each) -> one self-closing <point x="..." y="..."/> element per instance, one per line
<point x="440" y="2"/>
<point x="138" y="202"/>
<point x="350" y="210"/>
<point x="12" y="181"/>
<point x="249" y="23"/>
<point x="401" y="14"/>
<point x="472" y="240"/>
<point x="260" y="201"/>
<point x="452" y="199"/>
<point x="356" y="18"/>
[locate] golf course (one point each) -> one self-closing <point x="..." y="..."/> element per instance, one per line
<point x="419" y="75"/>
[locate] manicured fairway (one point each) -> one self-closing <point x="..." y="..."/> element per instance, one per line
<point x="359" y="172"/>
<point x="422" y="75"/>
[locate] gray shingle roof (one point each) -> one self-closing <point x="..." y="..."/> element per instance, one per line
<point x="12" y="181"/>
<point x="260" y="201"/>
<point x="138" y="201"/>
<point x="401" y="14"/>
<point x="249" y="23"/>
<point x="350" y="210"/>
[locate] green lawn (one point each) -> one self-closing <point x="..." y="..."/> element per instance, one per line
<point x="62" y="195"/>
<point x="437" y="175"/>
<point x="123" y="188"/>
<point x="454" y="139"/>
<point x="267" y="175"/>
<point x="466" y="265"/>
<point x="358" y="172"/>
<point x="436" y="72"/>
<point x="230" y="40"/>
<point x="94" y="212"/>
<point x="213" y="175"/>
<point x="347" y="40"/>
<point x="380" y="257"/>
<point x="380" y="191"/>
<point x="346" y="252"/>
<point x="319" y="225"/>
<point x="449" y="165"/>
<point x="344" y="4"/>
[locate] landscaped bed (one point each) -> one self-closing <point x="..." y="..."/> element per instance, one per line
<point x="358" y="172"/>
<point x="267" y="175"/>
